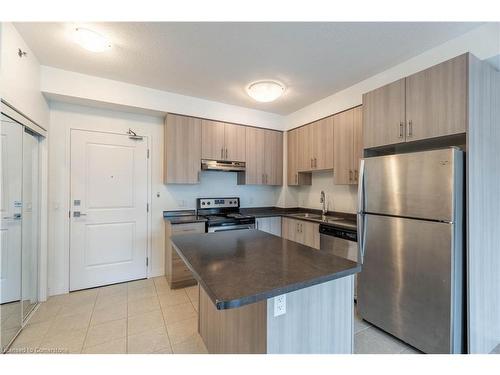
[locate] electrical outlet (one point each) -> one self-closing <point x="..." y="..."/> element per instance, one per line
<point x="280" y="305"/>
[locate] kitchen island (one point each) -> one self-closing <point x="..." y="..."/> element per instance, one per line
<point x="242" y="274"/>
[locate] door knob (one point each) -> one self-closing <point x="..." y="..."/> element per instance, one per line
<point x="78" y="214"/>
<point x="13" y="217"/>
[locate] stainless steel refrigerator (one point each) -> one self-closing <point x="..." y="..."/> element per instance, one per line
<point x="411" y="244"/>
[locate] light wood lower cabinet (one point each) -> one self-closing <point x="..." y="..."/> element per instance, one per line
<point x="348" y="146"/>
<point x="269" y="224"/>
<point x="176" y="271"/>
<point x="182" y="153"/>
<point x="304" y="232"/>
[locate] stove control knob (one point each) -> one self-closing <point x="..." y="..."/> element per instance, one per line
<point x="208" y="203"/>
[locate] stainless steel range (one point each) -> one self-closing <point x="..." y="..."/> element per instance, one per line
<point x="223" y="214"/>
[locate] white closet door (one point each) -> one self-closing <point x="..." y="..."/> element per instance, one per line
<point x="10" y="210"/>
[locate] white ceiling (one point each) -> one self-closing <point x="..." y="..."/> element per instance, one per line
<point x="216" y="61"/>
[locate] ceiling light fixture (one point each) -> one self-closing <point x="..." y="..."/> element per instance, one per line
<point x="91" y="40"/>
<point x="266" y="90"/>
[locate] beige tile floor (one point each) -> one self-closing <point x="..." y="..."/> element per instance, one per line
<point x="143" y="316"/>
<point x="368" y="339"/>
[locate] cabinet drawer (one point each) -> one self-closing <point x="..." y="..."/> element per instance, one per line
<point x="188" y="228"/>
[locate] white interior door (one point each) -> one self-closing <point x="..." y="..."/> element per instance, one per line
<point x="10" y="210"/>
<point x="109" y="220"/>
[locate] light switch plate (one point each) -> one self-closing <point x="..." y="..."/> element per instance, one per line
<point x="280" y="305"/>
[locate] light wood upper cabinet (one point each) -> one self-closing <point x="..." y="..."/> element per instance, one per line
<point x="322" y="145"/>
<point x="255" y="143"/>
<point x="273" y="157"/>
<point x="357" y="151"/>
<point x="212" y="140"/>
<point x="429" y="104"/>
<point x="304" y="154"/>
<point x="343" y="124"/>
<point x="264" y="157"/>
<point x="384" y="115"/>
<point x="436" y="100"/>
<point x="182" y="153"/>
<point x="348" y="147"/>
<point x="293" y="176"/>
<point x="234" y="140"/>
<point x="222" y="141"/>
<point x="315" y="146"/>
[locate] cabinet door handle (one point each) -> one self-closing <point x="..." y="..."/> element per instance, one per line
<point x="315" y="163"/>
<point x="350" y="175"/>
<point x="296" y="178"/>
<point x="226" y="153"/>
<point x="222" y="152"/>
<point x="401" y="132"/>
<point x="356" y="174"/>
<point x="410" y="128"/>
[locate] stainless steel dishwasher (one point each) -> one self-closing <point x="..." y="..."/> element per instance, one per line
<point x="341" y="242"/>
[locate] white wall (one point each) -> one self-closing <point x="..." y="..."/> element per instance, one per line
<point x="20" y="77"/>
<point x="63" y="117"/>
<point x="341" y="198"/>
<point x="80" y="88"/>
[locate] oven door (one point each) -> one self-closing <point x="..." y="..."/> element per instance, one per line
<point x="223" y="228"/>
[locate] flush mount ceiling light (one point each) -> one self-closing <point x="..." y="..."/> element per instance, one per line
<point x="265" y="91"/>
<point x="91" y="40"/>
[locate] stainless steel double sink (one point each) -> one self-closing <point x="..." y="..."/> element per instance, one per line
<point x="317" y="217"/>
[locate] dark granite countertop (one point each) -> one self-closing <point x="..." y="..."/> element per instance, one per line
<point x="186" y="219"/>
<point x="245" y="266"/>
<point x="348" y="220"/>
<point x="189" y="216"/>
<point x="183" y="217"/>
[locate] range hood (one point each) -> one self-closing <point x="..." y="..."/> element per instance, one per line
<point x="223" y="165"/>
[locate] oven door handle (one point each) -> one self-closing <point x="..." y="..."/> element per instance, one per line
<point x="230" y="227"/>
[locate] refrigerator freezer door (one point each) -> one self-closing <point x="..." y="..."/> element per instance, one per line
<point x="406" y="283"/>
<point x="417" y="185"/>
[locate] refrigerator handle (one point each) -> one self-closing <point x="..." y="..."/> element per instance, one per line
<point x="361" y="187"/>
<point x="361" y="212"/>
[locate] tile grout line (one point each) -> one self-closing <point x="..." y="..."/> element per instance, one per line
<point x="163" y="318"/>
<point x="90" y="321"/>
<point x="126" y="326"/>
